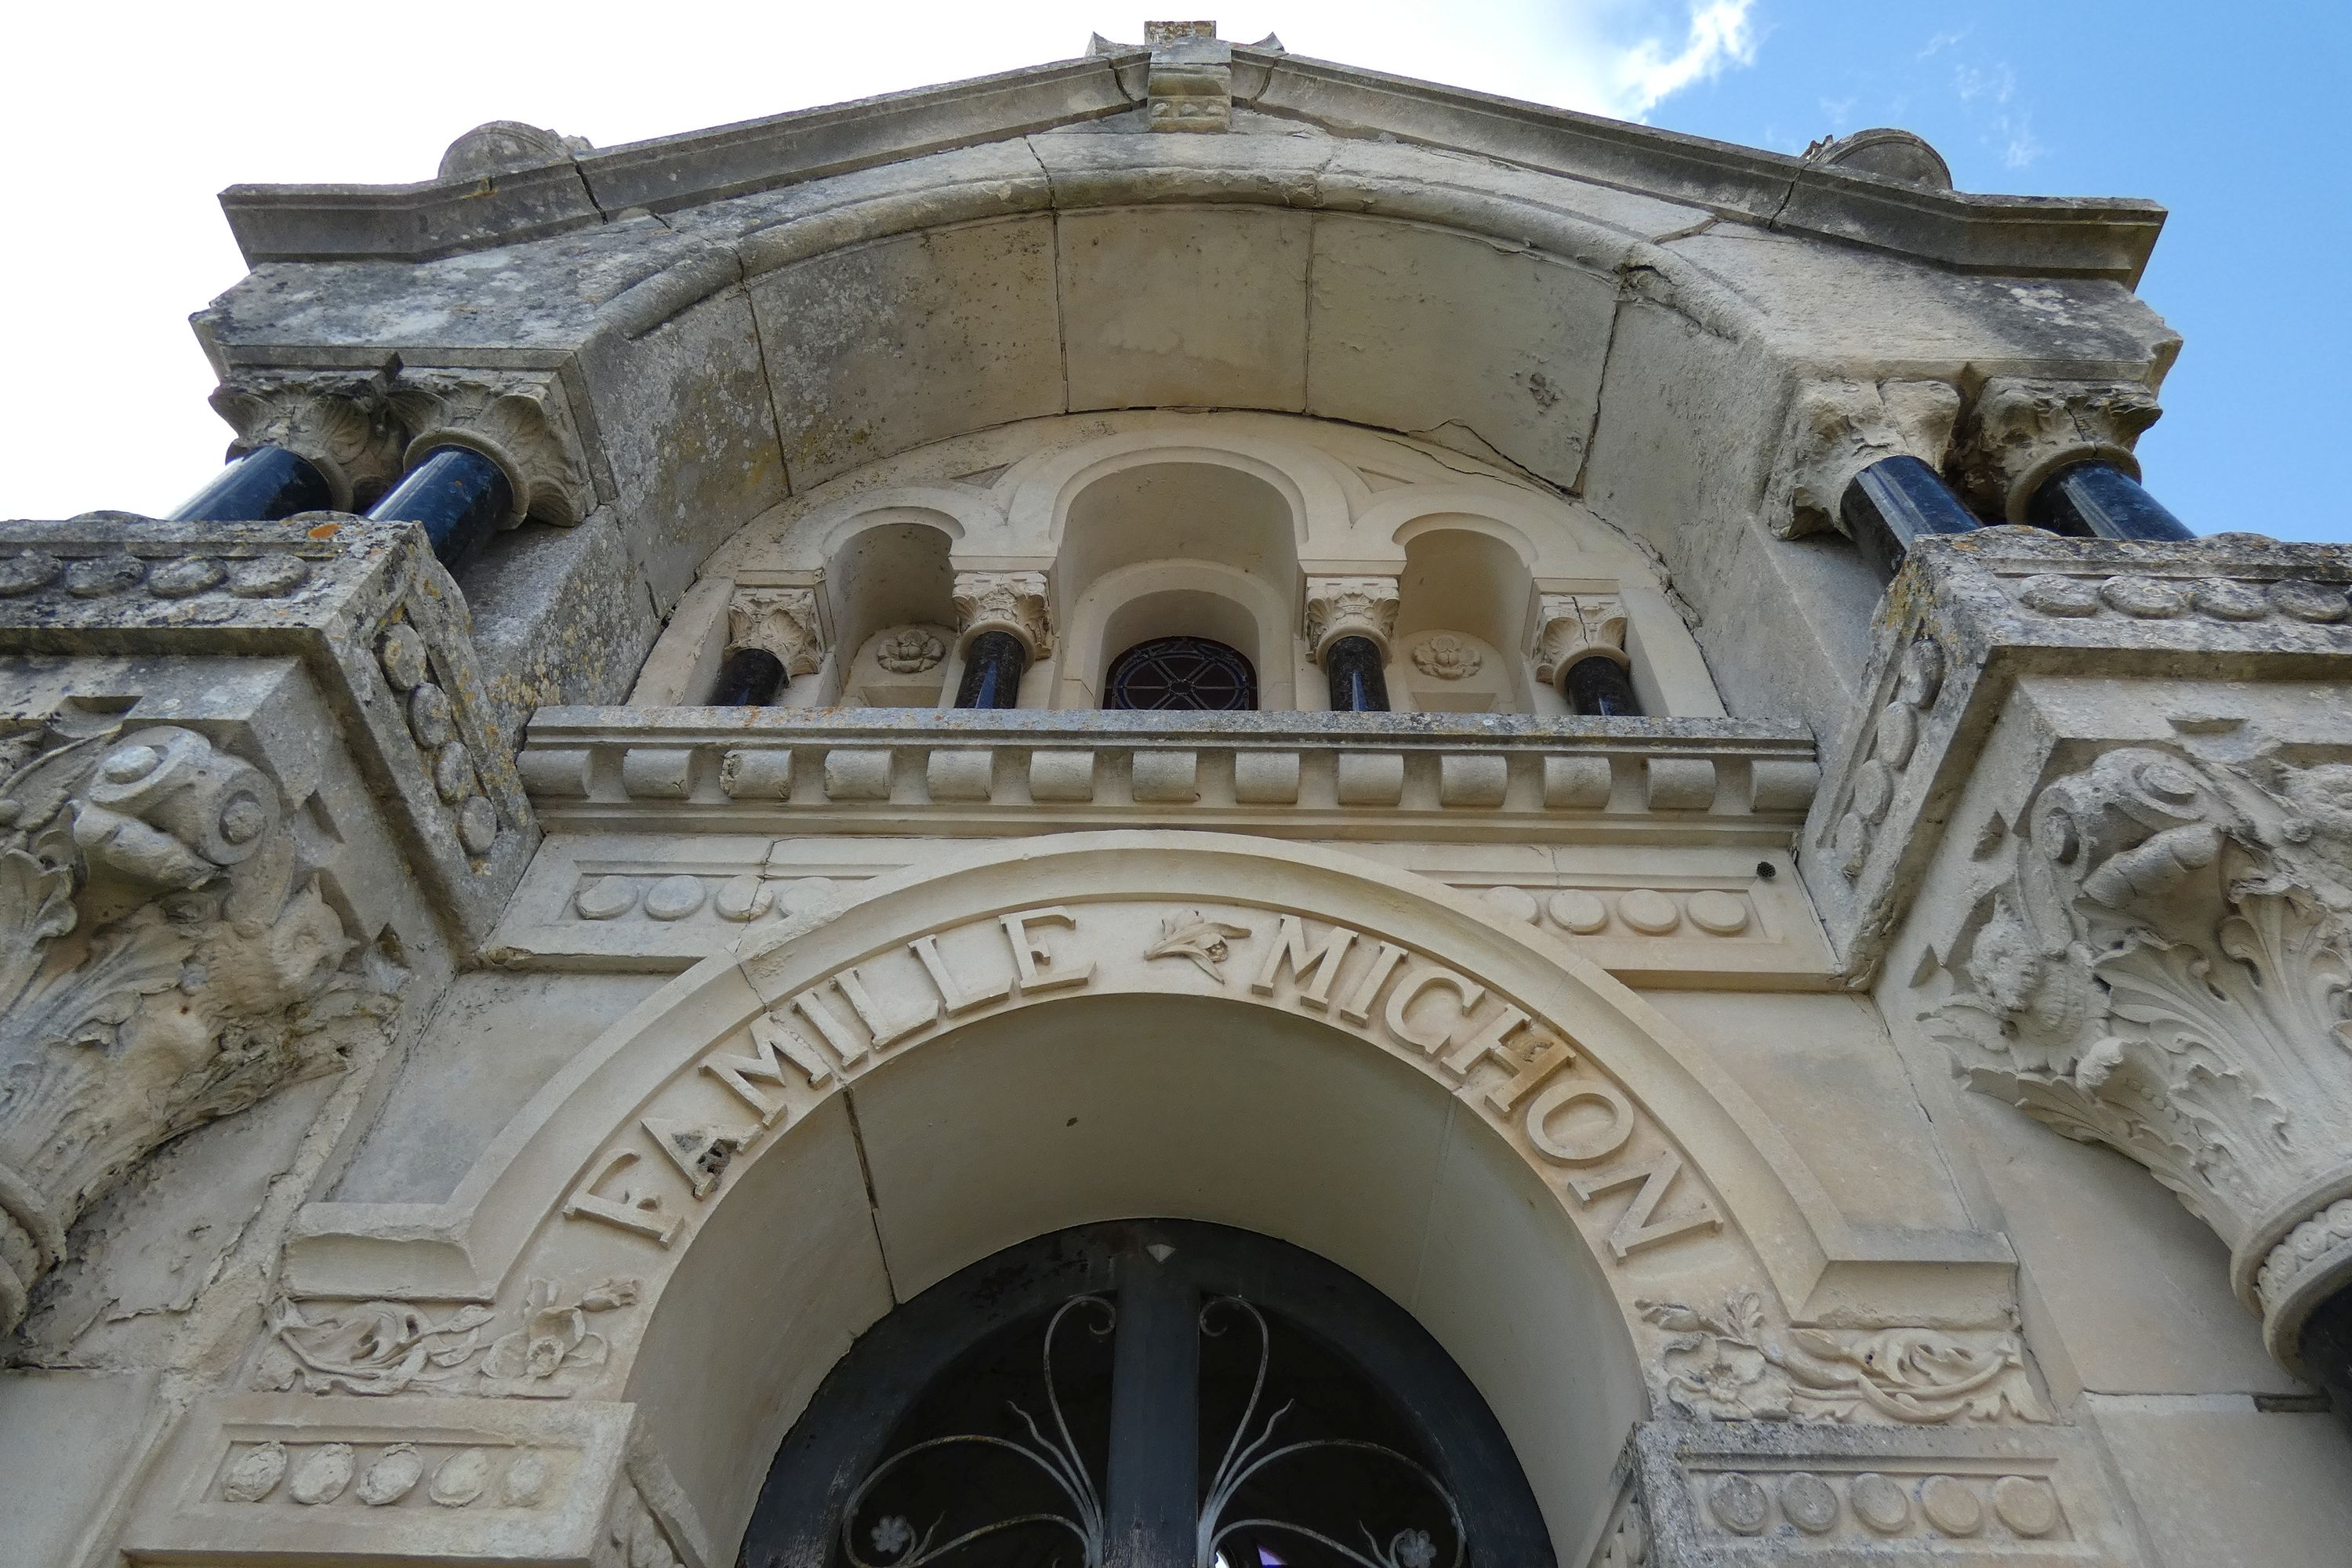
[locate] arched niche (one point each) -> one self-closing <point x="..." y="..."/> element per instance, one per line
<point x="1177" y="548"/>
<point x="1474" y="584"/>
<point x="785" y="1140"/>
<point x="889" y="574"/>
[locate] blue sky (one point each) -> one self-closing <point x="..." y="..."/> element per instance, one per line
<point x="2231" y="116"/>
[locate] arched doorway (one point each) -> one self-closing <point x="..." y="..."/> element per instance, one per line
<point x="1147" y="1393"/>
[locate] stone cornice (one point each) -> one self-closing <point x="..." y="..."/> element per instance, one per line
<point x="2023" y="236"/>
<point x="1504" y="778"/>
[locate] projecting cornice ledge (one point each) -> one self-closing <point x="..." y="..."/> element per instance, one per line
<point x="2019" y="236"/>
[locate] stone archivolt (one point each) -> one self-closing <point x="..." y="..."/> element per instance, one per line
<point x="166" y="958"/>
<point x="2163" y="966"/>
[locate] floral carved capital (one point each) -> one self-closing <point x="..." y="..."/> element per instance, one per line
<point x="1350" y="608"/>
<point x="2162" y="962"/>
<point x="345" y="427"/>
<point x="784" y="621"/>
<point x="522" y="423"/>
<point x="2017" y="432"/>
<point x="1570" y="625"/>
<point x="1836" y="429"/>
<point x="167" y="958"/>
<point x="1011" y="602"/>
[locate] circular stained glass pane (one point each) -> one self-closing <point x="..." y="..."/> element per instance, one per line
<point x="1183" y="673"/>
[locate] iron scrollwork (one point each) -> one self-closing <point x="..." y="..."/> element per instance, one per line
<point x="1242" y="1460"/>
<point x="894" y="1535"/>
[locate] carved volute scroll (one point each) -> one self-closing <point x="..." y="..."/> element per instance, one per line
<point x="2020" y="432"/>
<point x="1350" y="608"/>
<point x="784" y="621"/>
<point x="1836" y="429"/>
<point x="344" y="425"/>
<point x="2164" y="966"/>
<point x="1010" y="602"/>
<point x="1570" y="625"/>
<point x="166" y="958"/>
<point x="521" y="422"/>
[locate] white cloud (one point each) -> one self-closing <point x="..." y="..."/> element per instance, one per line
<point x="1718" y="36"/>
<point x="1942" y="41"/>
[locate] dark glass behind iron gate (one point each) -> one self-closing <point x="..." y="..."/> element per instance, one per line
<point x="1148" y="1416"/>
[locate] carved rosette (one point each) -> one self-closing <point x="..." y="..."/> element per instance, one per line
<point x="1836" y="429"/>
<point x="522" y="423"/>
<point x="1350" y="608"/>
<point x="1570" y="625"/>
<point x="346" y="427"/>
<point x="2020" y="432"/>
<point x="784" y="621"/>
<point x="1011" y="602"/>
<point x="2163" y="967"/>
<point x="166" y="958"/>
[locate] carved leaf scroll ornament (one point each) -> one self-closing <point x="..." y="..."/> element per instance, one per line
<point x="1188" y="933"/>
<point x="2161" y="964"/>
<point x="396" y="1347"/>
<point x="166" y="958"/>
<point x="1729" y="1365"/>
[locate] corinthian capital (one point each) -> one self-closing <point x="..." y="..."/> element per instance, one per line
<point x="1570" y="625"/>
<point x="1836" y="429"/>
<point x="166" y="958"/>
<point x="2020" y="432"/>
<point x="1350" y="608"/>
<point x="2164" y="967"/>
<point x="345" y="426"/>
<point x="521" y="422"/>
<point x="1011" y="602"/>
<point x="784" y="621"/>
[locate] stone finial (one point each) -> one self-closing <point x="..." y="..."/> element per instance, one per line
<point x="1011" y="602"/>
<point x="2161" y="967"/>
<point x="1887" y="152"/>
<point x="520" y="421"/>
<point x="1570" y="625"/>
<point x="2017" y="432"/>
<point x="1836" y="429"/>
<point x="784" y="621"/>
<point x="503" y="144"/>
<point x="1350" y="608"/>
<point x="344" y="426"/>
<point x="205" y="969"/>
<point x="1191" y="80"/>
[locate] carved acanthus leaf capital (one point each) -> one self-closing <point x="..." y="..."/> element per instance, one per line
<point x="345" y="426"/>
<point x="1350" y="608"/>
<point x="521" y="422"/>
<point x="2163" y="965"/>
<point x="1570" y="625"/>
<point x="784" y="621"/>
<point x="167" y="958"/>
<point x="1013" y="602"/>
<point x="1836" y="429"/>
<point x="2019" y="432"/>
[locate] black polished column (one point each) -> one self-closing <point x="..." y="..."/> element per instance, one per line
<point x="2325" y="1348"/>
<point x="262" y="486"/>
<point x="1894" y="501"/>
<point x="1359" y="676"/>
<point x="2100" y="502"/>
<point x="1598" y="687"/>
<point x="456" y="494"/>
<point x="751" y="677"/>
<point x="1151" y="1485"/>
<point x="993" y="668"/>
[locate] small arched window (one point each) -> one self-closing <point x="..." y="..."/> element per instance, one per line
<point x="1182" y="672"/>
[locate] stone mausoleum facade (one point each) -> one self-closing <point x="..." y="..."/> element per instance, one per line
<point x="1187" y="808"/>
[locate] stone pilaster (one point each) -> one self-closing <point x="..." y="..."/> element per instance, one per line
<point x="1570" y="625"/>
<point x="2017" y="432"/>
<point x="1010" y="602"/>
<point x="1837" y="429"/>
<point x="1350" y="608"/>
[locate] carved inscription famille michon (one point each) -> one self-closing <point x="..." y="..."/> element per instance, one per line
<point x="1527" y="1077"/>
